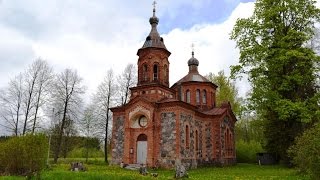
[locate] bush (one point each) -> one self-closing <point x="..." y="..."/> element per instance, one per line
<point x="81" y="153"/>
<point x="246" y="151"/>
<point x="305" y="153"/>
<point x="25" y="155"/>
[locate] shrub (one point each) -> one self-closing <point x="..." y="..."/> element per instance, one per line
<point x="25" y="155"/>
<point x="305" y="153"/>
<point x="81" y="153"/>
<point x="246" y="151"/>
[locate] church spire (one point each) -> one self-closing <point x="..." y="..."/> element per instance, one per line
<point x="153" y="39"/>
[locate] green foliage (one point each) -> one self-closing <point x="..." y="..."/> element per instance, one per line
<point x="226" y="91"/>
<point x="71" y="142"/>
<point x="281" y="69"/>
<point x="23" y="155"/>
<point x="4" y="138"/>
<point x="249" y="127"/>
<point x="240" y="171"/>
<point x="81" y="153"/>
<point x="306" y="152"/>
<point x="246" y="151"/>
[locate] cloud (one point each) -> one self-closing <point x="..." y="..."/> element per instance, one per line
<point x="15" y="50"/>
<point x="214" y="49"/>
<point x="92" y="38"/>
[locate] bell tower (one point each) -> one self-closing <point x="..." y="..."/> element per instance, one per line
<point x="153" y="63"/>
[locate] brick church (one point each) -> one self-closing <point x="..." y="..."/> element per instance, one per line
<point x="162" y="125"/>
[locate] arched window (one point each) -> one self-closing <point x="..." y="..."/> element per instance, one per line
<point x="155" y="72"/>
<point x="204" y="97"/>
<point x="197" y="141"/>
<point x="225" y="143"/>
<point x="228" y="142"/>
<point x="142" y="137"/>
<point x="187" y="136"/>
<point x="198" y="96"/>
<point x="145" y="72"/>
<point x="188" y="96"/>
<point x="230" y="145"/>
<point x="213" y="99"/>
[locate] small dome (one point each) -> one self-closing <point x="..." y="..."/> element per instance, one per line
<point x="154" y="20"/>
<point x="193" y="61"/>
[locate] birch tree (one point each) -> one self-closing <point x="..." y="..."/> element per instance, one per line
<point x="104" y="99"/>
<point x="11" y="102"/>
<point x="126" y="80"/>
<point x="67" y="91"/>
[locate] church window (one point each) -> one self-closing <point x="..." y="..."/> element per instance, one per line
<point x="188" y="96"/>
<point x="213" y="99"/>
<point x="225" y="142"/>
<point x="198" y="96"/>
<point x="155" y="72"/>
<point x="204" y="97"/>
<point x="145" y="72"/>
<point x="187" y="136"/>
<point x="197" y="141"/>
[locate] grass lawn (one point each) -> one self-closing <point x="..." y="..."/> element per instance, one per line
<point x="98" y="170"/>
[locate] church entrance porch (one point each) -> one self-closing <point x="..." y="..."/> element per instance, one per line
<point x="142" y="147"/>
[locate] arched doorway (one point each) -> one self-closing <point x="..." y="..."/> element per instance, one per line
<point x="142" y="147"/>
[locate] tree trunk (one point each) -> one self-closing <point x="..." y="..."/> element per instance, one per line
<point x="57" y="151"/>
<point x="107" y="126"/>
<point x="37" y="108"/>
<point x="106" y="141"/>
<point x="28" y="107"/>
<point x="87" y="150"/>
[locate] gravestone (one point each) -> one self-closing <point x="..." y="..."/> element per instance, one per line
<point x="77" y="166"/>
<point x="143" y="170"/>
<point x="181" y="171"/>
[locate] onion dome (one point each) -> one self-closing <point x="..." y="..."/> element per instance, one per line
<point x="193" y="60"/>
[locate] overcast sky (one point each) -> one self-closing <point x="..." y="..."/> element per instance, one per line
<point x="92" y="36"/>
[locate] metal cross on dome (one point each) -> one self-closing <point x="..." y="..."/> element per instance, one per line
<point x="154" y="8"/>
<point x="192" y="48"/>
<point x="154" y="4"/>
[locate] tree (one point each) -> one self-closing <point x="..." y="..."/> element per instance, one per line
<point x="11" y="102"/>
<point x="103" y="100"/>
<point x="87" y="126"/>
<point x="43" y="85"/>
<point x="66" y="97"/>
<point x="31" y="77"/>
<point x="281" y="69"/>
<point x="226" y="92"/>
<point x="127" y="80"/>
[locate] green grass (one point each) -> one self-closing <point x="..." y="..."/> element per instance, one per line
<point x="96" y="169"/>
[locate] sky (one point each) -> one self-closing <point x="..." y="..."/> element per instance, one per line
<point x="93" y="36"/>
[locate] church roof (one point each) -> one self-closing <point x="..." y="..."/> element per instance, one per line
<point x="193" y="77"/>
<point x="215" y="111"/>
